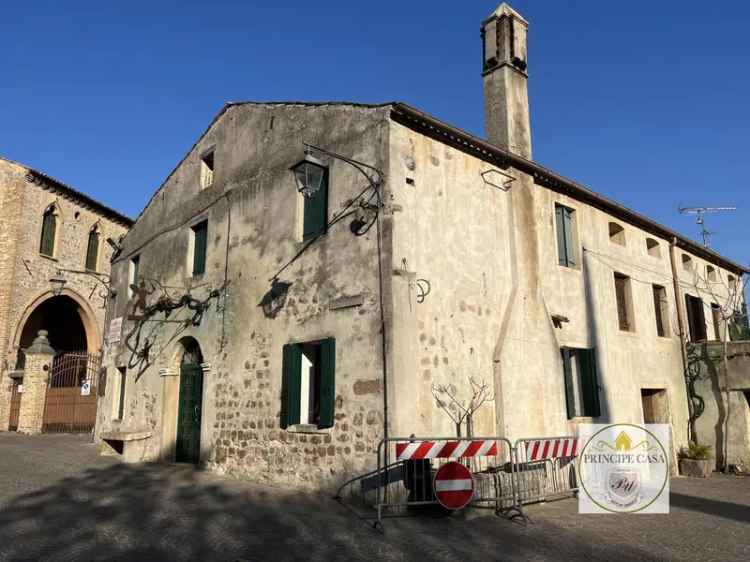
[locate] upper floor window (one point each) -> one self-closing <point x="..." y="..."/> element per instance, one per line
<point x="616" y="233"/>
<point x="315" y="212"/>
<point x="687" y="262"/>
<point x="207" y="169"/>
<point x="567" y="253"/>
<point x="696" y="318"/>
<point x="653" y="248"/>
<point x="133" y="274"/>
<point x="624" y="299"/>
<point x="711" y="274"/>
<point x="49" y="232"/>
<point x="92" y="249"/>
<point x="200" y="244"/>
<point x="661" y="311"/>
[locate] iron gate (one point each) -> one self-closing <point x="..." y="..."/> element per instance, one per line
<point x="15" y="404"/>
<point x="71" y="394"/>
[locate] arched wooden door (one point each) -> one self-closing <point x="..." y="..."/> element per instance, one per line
<point x="190" y="405"/>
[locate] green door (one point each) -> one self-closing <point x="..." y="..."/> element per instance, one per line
<point x="189" y="414"/>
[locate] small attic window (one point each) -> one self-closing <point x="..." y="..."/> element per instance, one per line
<point x="207" y="169"/>
<point x="616" y="233"/>
<point x="653" y="248"/>
<point x="711" y="273"/>
<point x="731" y="279"/>
<point x="687" y="262"/>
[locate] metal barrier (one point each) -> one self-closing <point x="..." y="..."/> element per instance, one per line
<point x="546" y="468"/>
<point x="417" y="459"/>
<point x="505" y="476"/>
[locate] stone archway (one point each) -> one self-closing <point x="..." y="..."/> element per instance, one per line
<point x="68" y="319"/>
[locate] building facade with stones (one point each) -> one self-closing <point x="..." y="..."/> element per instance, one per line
<point x="280" y="337"/>
<point x="49" y="230"/>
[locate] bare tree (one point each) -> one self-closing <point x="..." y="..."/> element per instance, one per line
<point x="461" y="412"/>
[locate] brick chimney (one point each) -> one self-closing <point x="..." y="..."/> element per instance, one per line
<point x="506" y="99"/>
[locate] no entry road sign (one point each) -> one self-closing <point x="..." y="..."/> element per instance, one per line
<point x="454" y="486"/>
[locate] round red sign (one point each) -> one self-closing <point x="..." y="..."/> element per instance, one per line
<point x="454" y="486"/>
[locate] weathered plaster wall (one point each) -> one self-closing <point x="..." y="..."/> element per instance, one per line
<point x="719" y="390"/>
<point x="451" y="237"/>
<point x="25" y="273"/>
<point x="254" y="147"/>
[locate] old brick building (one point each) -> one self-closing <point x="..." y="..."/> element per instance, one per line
<point x="54" y="247"/>
<point x="281" y="322"/>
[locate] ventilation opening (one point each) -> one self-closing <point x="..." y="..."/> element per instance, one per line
<point x="653" y="248"/>
<point x="616" y="233"/>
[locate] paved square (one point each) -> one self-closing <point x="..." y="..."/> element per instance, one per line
<point x="60" y="501"/>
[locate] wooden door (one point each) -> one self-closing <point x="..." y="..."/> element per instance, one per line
<point x="15" y="404"/>
<point x="189" y="414"/>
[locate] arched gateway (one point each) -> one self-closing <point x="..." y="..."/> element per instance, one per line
<point x="69" y="327"/>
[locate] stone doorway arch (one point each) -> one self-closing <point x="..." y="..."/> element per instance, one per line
<point x="182" y="403"/>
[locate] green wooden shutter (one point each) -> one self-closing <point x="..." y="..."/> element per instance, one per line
<point x="569" y="250"/>
<point x="49" y="224"/>
<point x="568" y="381"/>
<point x="199" y="248"/>
<point x="327" y="382"/>
<point x="316" y="212"/>
<point x="560" y="224"/>
<point x="290" y="385"/>
<point x="92" y="251"/>
<point x="589" y="383"/>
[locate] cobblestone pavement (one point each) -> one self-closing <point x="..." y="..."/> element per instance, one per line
<point x="60" y="501"/>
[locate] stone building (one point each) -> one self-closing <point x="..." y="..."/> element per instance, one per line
<point x="54" y="269"/>
<point x="278" y="336"/>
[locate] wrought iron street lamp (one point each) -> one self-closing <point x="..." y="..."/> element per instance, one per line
<point x="58" y="282"/>
<point x="309" y="174"/>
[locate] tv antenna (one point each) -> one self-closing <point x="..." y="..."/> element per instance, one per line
<point x="700" y="221"/>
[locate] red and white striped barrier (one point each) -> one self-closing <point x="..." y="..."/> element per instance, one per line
<point x="413" y="450"/>
<point x="560" y="447"/>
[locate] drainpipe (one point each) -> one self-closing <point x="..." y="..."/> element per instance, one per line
<point x="681" y="329"/>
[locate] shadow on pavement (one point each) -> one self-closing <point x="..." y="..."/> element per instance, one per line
<point x="711" y="507"/>
<point x="169" y="512"/>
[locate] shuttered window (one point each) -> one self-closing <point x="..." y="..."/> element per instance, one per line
<point x="660" y="310"/>
<point x="308" y="386"/>
<point x="581" y="383"/>
<point x="92" y="251"/>
<point x="566" y="250"/>
<point x="49" y="226"/>
<point x="316" y="212"/>
<point x="200" y="241"/>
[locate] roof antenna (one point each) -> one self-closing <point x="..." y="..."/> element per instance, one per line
<point x="700" y="221"/>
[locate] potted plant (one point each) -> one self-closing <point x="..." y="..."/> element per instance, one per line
<point x="695" y="460"/>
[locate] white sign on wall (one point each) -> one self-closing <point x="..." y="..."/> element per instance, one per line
<point x="86" y="388"/>
<point x="115" y="330"/>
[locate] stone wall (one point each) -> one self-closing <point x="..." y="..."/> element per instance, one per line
<point x="254" y="219"/>
<point x="25" y="273"/>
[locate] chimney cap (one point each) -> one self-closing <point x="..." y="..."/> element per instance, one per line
<point x="504" y="9"/>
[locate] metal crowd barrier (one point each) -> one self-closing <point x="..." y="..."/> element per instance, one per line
<point x="506" y="476"/>
<point x="546" y="468"/>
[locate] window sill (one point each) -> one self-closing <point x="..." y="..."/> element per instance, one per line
<point x="306" y="428"/>
<point x="582" y="419"/>
<point x="575" y="268"/>
<point x="46" y="257"/>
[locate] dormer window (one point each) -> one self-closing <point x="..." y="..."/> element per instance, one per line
<point x="207" y="169"/>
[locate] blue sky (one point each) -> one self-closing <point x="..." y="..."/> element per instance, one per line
<point x="646" y="103"/>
